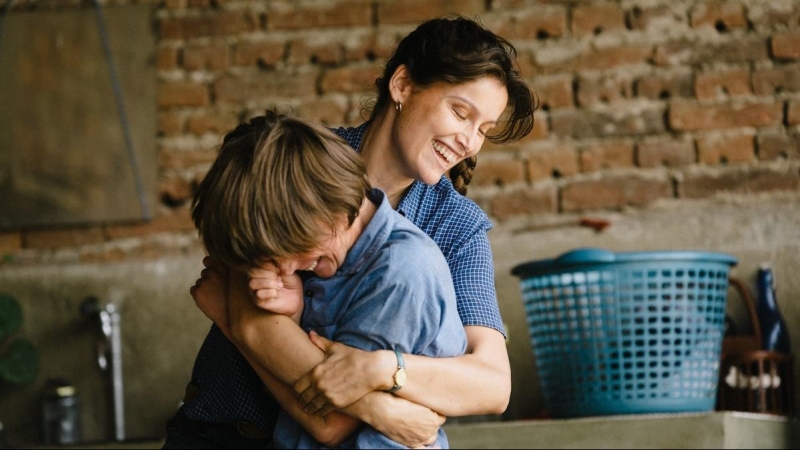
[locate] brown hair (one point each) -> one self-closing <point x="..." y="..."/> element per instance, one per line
<point x="278" y="186"/>
<point x="454" y="49"/>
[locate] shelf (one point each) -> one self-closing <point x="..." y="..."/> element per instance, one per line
<point x="707" y="430"/>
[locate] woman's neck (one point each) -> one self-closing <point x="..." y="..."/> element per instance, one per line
<point x="382" y="160"/>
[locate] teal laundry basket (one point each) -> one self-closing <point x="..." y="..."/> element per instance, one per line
<point x="626" y="333"/>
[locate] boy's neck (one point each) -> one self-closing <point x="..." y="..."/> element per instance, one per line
<point x="365" y="215"/>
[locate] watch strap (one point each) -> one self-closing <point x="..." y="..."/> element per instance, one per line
<point x="399" y="377"/>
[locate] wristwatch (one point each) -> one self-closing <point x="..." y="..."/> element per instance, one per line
<point x="401" y="375"/>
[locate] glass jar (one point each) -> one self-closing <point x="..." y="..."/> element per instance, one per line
<point x="61" y="411"/>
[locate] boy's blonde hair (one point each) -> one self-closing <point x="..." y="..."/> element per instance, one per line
<point x="278" y="186"/>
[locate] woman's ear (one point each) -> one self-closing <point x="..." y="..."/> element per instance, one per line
<point x="400" y="84"/>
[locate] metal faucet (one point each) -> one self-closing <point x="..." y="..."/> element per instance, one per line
<point x="110" y="345"/>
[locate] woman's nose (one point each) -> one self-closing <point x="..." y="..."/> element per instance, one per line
<point x="470" y="141"/>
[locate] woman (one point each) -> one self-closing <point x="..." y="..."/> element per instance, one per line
<point x="441" y="95"/>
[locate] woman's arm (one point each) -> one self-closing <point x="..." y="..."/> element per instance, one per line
<point x="438" y="383"/>
<point x="279" y="351"/>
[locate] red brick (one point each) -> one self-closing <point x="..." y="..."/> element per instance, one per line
<point x="553" y="92"/>
<point x="537" y="23"/>
<point x="175" y="4"/>
<point x="724" y="16"/>
<point x="208" y="24"/>
<point x="259" y="53"/>
<point x="241" y="89"/>
<point x="777" y="80"/>
<point x="182" y="93"/>
<point x="10" y="242"/>
<point x="715" y="149"/>
<point x="599" y="59"/>
<point x="597" y="18"/>
<point x="600" y="123"/>
<point x="742" y="50"/>
<point x="738" y="180"/>
<point x="213" y="56"/>
<point x="716" y="85"/>
<point x="614" y="193"/>
<point x="353" y="78"/>
<point x="793" y="113"/>
<point x="212" y="122"/>
<point x="289" y="15"/>
<point x="604" y="89"/>
<point x="57" y="238"/>
<point x="664" y="86"/>
<point x="686" y="116"/>
<point x="178" y="219"/>
<point x="329" y="110"/>
<point x="415" y="11"/>
<point x="546" y="160"/>
<point x="772" y="146"/>
<point x="606" y="155"/>
<point x="371" y="45"/>
<point x="498" y="171"/>
<point x="528" y="201"/>
<point x="786" y="45"/>
<point x="167" y="58"/>
<point x="182" y="159"/>
<point x="317" y="49"/>
<point x="665" y="152"/>
<point x="169" y="124"/>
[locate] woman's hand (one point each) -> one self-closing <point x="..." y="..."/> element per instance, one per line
<point x="210" y="293"/>
<point x="406" y="422"/>
<point x="346" y="375"/>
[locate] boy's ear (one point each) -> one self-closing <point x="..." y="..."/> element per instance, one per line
<point x="400" y="84"/>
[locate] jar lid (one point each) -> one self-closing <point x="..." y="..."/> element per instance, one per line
<point x="65" y="391"/>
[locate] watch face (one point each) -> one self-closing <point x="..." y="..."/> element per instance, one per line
<point x="400" y="377"/>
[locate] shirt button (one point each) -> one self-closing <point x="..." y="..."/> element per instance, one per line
<point x="309" y="293"/>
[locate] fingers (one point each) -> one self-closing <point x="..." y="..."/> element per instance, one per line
<point x="319" y="341"/>
<point x="315" y="405"/>
<point x="269" y="282"/>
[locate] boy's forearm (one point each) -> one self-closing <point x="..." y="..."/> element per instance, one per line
<point x="273" y="341"/>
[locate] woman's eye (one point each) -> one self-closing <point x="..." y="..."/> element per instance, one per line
<point x="459" y="113"/>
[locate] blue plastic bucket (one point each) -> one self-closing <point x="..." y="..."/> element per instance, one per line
<point x="626" y="333"/>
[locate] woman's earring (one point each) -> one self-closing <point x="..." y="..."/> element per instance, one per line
<point x="398" y="106"/>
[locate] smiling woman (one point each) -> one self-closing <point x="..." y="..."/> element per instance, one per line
<point x="450" y="85"/>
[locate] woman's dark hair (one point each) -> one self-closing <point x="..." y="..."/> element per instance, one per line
<point x="454" y="49"/>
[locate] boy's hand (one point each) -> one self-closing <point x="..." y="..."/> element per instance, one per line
<point x="210" y="292"/>
<point x="275" y="292"/>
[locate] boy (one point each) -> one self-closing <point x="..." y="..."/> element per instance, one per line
<point x="286" y="196"/>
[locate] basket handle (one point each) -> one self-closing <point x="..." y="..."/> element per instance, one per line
<point x="747" y="299"/>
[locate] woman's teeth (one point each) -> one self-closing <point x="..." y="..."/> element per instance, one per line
<point x="446" y="154"/>
<point x="313" y="265"/>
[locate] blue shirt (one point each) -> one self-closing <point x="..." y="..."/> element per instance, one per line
<point x="230" y="389"/>
<point x="393" y="290"/>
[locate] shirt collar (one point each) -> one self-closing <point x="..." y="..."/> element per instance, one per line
<point x="374" y="235"/>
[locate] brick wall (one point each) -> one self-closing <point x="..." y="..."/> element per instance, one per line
<point x="641" y="101"/>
